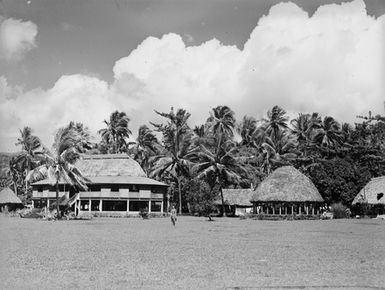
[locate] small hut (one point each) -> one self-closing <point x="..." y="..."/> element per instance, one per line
<point x="9" y="201"/>
<point x="238" y="200"/>
<point x="371" y="198"/>
<point x="287" y="191"/>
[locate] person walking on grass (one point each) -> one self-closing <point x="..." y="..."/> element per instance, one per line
<point x="173" y="215"/>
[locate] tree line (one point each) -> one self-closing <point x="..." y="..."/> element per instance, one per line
<point x="199" y="162"/>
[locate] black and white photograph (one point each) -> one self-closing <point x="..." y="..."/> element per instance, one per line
<point x="192" y="144"/>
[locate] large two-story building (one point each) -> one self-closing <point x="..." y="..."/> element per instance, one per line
<point x="118" y="186"/>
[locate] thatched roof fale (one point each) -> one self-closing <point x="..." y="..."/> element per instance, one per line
<point x="286" y="184"/>
<point x="110" y="169"/>
<point x="109" y="165"/>
<point x="138" y="180"/>
<point x="373" y="192"/>
<point x="237" y="196"/>
<point x="7" y="196"/>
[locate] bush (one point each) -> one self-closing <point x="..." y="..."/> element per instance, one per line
<point x="339" y="211"/>
<point x="144" y="213"/>
<point x="200" y="197"/>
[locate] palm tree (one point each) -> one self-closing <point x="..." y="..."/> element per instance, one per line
<point x="276" y="152"/>
<point x="117" y="132"/>
<point x="177" y="140"/>
<point x="15" y="173"/>
<point x="346" y="133"/>
<point x="31" y="152"/>
<point x="84" y="132"/>
<point x="276" y="121"/>
<point x="247" y="129"/>
<point x="146" y="145"/>
<point x="222" y="123"/>
<point x="329" y="133"/>
<point x="301" y="127"/>
<point x="202" y="135"/>
<point x="220" y="166"/>
<point x="60" y="162"/>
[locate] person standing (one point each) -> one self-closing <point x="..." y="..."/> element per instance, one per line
<point x="173" y="215"/>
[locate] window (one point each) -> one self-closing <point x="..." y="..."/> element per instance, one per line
<point x="134" y="188"/>
<point x="84" y="204"/>
<point x="137" y="205"/>
<point x="114" y="205"/>
<point x="156" y="206"/>
<point x="94" y="187"/>
<point x="39" y="203"/>
<point x="115" y="187"/>
<point x="95" y="205"/>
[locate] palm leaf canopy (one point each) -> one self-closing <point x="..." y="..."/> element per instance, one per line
<point x="29" y="142"/>
<point x="222" y="120"/>
<point x="60" y="161"/>
<point x="224" y="165"/>
<point x="276" y="121"/>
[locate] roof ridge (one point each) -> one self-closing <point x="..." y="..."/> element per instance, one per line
<point x="378" y="177"/>
<point x="105" y="156"/>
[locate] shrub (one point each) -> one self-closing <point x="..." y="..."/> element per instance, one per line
<point x="200" y="197"/>
<point x="144" y="213"/>
<point x="339" y="210"/>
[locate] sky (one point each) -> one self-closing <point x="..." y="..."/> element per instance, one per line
<point x="71" y="60"/>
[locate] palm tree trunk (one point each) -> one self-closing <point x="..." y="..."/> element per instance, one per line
<point x="25" y="180"/>
<point x="223" y="201"/>
<point x="219" y="142"/>
<point x="15" y="186"/>
<point x="180" y="195"/>
<point x="114" y="145"/>
<point x="57" y="199"/>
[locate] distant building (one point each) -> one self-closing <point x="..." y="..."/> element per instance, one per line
<point x="287" y="191"/>
<point x="237" y="201"/>
<point x="118" y="186"/>
<point x="371" y="198"/>
<point x="9" y="200"/>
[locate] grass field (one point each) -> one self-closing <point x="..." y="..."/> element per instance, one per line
<point x="131" y="253"/>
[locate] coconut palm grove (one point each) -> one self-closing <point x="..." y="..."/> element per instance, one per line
<point x="197" y="163"/>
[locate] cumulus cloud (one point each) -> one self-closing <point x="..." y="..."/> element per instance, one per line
<point x="75" y="97"/>
<point x="16" y="38"/>
<point x="332" y="63"/>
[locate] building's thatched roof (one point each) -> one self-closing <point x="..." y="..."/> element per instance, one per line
<point x="8" y="196"/>
<point x="373" y="192"/>
<point x="110" y="169"/>
<point x="237" y="196"/>
<point x="109" y="165"/>
<point x="114" y="180"/>
<point x="287" y="184"/>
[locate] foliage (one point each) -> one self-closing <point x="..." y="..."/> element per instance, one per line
<point x="276" y="122"/>
<point x="339" y="158"/>
<point x="29" y="158"/>
<point x="336" y="180"/>
<point x="177" y="138"/>
<point x="220" y="167"/>
<point x="339" y="210"/>
<point x="200" y="197"/>
<point x="145" y="147"/>
<point x="60" y="162"/>
<point x="116" y="134"/>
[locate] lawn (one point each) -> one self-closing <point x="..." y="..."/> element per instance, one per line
<point x="131" y="253"/>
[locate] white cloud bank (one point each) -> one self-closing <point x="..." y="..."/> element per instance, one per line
<point x="332" y="63"/>
<point x="16" y="38"/>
